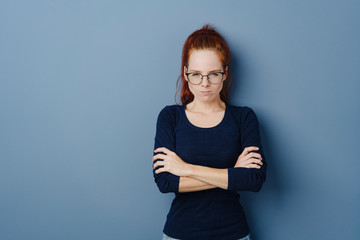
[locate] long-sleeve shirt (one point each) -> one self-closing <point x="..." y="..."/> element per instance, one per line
<point x="214" y="213"/>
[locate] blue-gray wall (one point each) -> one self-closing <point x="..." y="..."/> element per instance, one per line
<point x="82" y="82"/>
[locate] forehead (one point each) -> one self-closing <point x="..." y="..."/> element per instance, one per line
<point x="204" y="60"/>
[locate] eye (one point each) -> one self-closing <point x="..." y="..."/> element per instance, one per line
<point x="194" y="74"/>
<point x="214" y="74"/>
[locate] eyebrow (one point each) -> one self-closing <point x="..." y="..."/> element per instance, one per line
<point x="200" y="71"/>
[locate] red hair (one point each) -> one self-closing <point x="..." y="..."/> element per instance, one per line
<point x="205" y="38"/>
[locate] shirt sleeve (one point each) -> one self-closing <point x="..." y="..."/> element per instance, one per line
<point x="165" y="137"/>
<point x="248" y="179"/>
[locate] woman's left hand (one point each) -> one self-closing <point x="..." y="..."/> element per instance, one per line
<point x="170" y="162"/>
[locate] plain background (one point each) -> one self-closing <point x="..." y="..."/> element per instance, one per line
<point x="82" y="83"/>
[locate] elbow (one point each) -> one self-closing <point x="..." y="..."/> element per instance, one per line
<point x="167" y="183"/>
<point x="256" y="187"/>
<point x="248" y="188"/>
<point x="244" y="179"/>
<point x="163" y="189"/>
<point x="257" y="183"/>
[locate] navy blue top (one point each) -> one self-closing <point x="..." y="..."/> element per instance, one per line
<point x="215" y="213"/>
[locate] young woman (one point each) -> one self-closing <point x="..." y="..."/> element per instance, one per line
<point x="206" y="149"/>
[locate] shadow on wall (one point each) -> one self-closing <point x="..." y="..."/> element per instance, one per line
<point x="237" y="72"/>
<point x="271" y="195"/>
<point x="273" y="191"/>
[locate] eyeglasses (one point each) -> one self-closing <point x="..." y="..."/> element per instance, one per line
<point x="213" y="78"/>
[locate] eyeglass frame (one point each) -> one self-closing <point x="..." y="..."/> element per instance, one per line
<point x="202" y="77"/>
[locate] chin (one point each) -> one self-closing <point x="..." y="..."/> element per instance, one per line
<point x="206" y="99"/>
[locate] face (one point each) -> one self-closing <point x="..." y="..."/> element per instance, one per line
<point x="205" y="62"/>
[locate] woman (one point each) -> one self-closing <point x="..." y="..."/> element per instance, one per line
<point x="206" y="149"/>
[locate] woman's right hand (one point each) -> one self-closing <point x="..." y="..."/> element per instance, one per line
<point x="248" y="159"/>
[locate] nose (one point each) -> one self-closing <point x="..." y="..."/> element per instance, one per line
<point x="205" y="82"/>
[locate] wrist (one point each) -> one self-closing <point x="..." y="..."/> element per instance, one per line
<point x="190" y="170"/>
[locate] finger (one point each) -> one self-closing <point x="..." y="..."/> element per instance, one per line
<point x="255" y="166"/>
<point x="159" y="156"/>
<point x="255" y="160"/>
<point x="162" y="149"/>
<point x="249" y="149"/>
<point x="160" y="170"/>
<point x="252" y="148"/>
<point x="254" y="155"/>
<point x="159" y="164"/>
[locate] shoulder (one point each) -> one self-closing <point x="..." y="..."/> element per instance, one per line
<point x="170" y="112"/>
<point x="245" y="117"/>
<point x="241" y="111"/>
<point x="170" y="109"/>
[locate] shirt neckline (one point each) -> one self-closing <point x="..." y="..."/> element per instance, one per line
<point x="205" y="128"/>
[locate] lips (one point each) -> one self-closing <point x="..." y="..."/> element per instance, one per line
<point x="205" y="92"/>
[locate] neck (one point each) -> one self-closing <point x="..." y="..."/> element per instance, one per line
<point x="206" y="107"/>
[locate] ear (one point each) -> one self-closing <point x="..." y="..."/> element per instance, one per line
<point x="185" y="70"/>
<point x="226" y="72"/>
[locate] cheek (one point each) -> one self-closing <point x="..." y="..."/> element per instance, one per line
<point x="220" y="86"/>
<point x="191" y="88"/>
